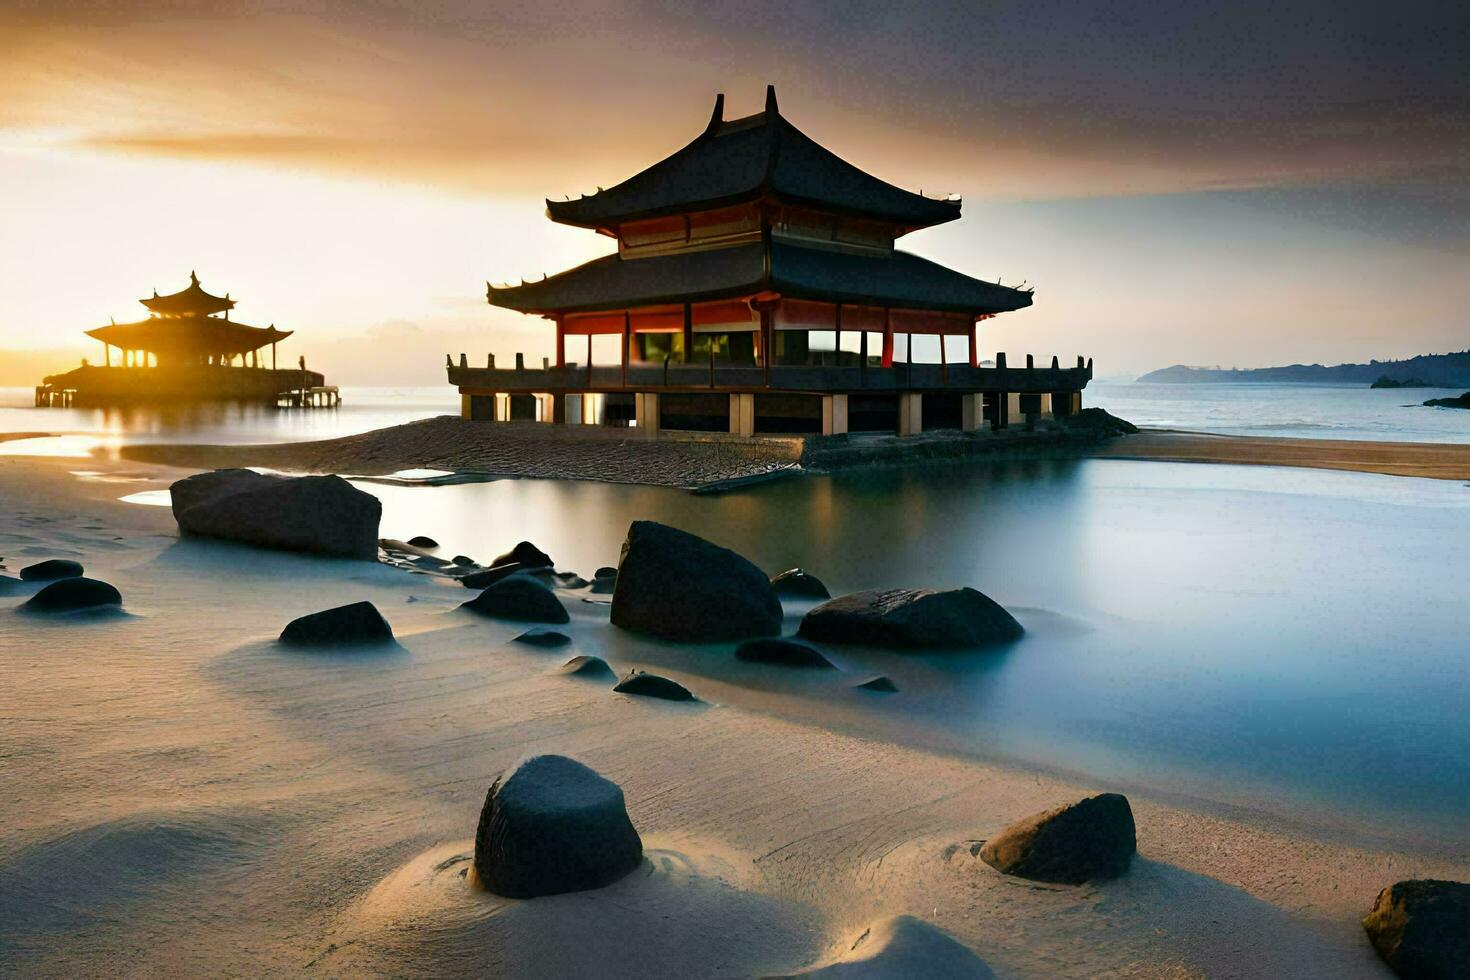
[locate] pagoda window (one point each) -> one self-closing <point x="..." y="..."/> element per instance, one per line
<point x="659" y="347"/>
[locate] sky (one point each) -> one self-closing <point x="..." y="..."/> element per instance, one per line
<point x="1240" y="183"/>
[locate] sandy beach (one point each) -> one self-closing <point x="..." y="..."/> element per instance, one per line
<point x="188" y="797"/>
<point x="1438" y="461"/>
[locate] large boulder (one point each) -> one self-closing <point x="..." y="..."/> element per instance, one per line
<point x="70" y="594"/>
<point x="1091" y="839"/>
<point x="356" y="624"/>
<point x="675" y="585"/>
<point x="911" y="618"/>
<point x="51" y="569"/>
<point x="782" y="652"/>
<point x="797" y="583"/>
<point x="320" y="514"/>
<point x="552" y="825"/>
<point x="902" y="947"/>
<point x="526" y="554"/>
<point x="521" y="598"/>
<point x="1421" y="928"/>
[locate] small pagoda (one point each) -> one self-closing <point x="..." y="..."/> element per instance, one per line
<point x="756" y="287"/>
<point x="188" y="348"/>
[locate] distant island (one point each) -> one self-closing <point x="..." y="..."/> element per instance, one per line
<point x="1423" y="371"/>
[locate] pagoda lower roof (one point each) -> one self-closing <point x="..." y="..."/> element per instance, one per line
<point x="187" y="334"/>
<point x="893" y="279"/>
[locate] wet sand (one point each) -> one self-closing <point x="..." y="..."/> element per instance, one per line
<point x="187" y="797"/>
<point x="1439" y="461"/>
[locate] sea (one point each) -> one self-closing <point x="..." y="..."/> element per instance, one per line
<point x="1287" y="640"/>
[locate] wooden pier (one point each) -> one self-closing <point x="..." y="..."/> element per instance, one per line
<point x="49" y="396"/>
<point x="318" y="396"/>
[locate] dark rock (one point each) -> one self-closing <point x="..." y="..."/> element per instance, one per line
<point x="1384" y="381"/>
<point x="653" y="686"/>
<point x="464" y="560"/>
<point x="1099" y="422"/>
<point x="527" y="554"/>
<point x="606" y="571"/>
<point x="550" y="826"/>
<point x="543" y="638"/>
<point x="489" y="576"/>
<point x="587" y="667"/>
<point x="603" y="586"/>
<point x="322" y="514"/>
<point x="355" y="624"/>
<point x="423" y="541"/>
<point x="675" y="585"/>
<point x="799" y="584"/>
<point x="911" y="618"/>
<point x="51" y="569"/>
<point x="12" y="586"/>
<point x="68" y="594"/>
<point x="787" y="653"/>
<point x="568" y="580"/>
<point x="1461" y="401"/>
<point x="1079" y="842"/>
<point x="1421" y="928"/>
<point x="882" y="684"/>
<point x="519" y="597"/>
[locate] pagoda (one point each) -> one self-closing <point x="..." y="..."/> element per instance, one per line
<point x="188" y="348"/>
<point x="756" y="288"/>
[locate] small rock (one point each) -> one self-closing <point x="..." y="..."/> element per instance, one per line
<point x="51" y="569"/>
<point x="606" y="571"/>
<point x="787" y="653"/>
<point x="489" y="576"/>
<point x="551" y="825"/>
<point x="881" y="684"/>
<point x="463" y="560"/>
<point x="69" y="594"/>
<point x="911" y="618"/>
<point x="1421" y="928"/>
<point x="678" y="586"/>
<point x="799" y="584"/>
<point x="902" y="947"/>
<point x="653" y="686"/>
<point x="526" y="554"/>
<point x="423" y="541"/>
<point x="543" y="638"/>
<point x="1072" y="844"/>
<point x="519" y="597"/>
<point x="355" y="624"/>
<point x="587" y="667"/>
<point x="603" y="586"/>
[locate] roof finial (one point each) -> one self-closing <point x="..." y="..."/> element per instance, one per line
<point x="771" y="109"/>
<point x="718" y="116"/>
<point x="193" y="279"/>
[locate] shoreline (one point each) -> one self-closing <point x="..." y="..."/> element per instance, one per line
<point x="714" y="463"/>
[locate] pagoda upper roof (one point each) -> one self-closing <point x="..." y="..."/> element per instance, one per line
<point x="888" y="279"/>
<point x="191" y="299"/>
<point x="188" y="334"/>
<point x="740" y="160"/>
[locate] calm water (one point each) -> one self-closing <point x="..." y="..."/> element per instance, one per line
<point x="1288" y="639"/>
<point x="1301" y="411"/>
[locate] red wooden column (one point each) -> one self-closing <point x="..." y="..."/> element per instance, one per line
<point x="561" y="342"/>
<point x="887" y="338"/>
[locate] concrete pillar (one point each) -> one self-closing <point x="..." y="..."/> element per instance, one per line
<point x="834" y="415"/>
<point x="465" y="412"/>
<point x="547" y="408"/>
<point x="1013" y="414"/>
<point x="645" y="407"/>
<point x="1046" y="410"/>
<point x="972" y="411"/>
<point x="573" y="412"/>
<point x="742" y="415"/>
<point x="910" y="413"/>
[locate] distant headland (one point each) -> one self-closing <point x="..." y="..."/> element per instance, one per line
<point x="1426" y="370"/>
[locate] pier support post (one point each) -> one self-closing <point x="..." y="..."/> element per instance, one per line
<point x="1046" y="408"/>
<point x="645" y="410"/>
<point x="573" y="412"/>
<point x="1013" y="409"/>
<point x="972" y="411"/>
<point x="910" y="413"/>
<point x="834" y="415"/>
<point x="742" y="415"/>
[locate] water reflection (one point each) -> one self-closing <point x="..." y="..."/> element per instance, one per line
<point x="1253" y="634"/>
